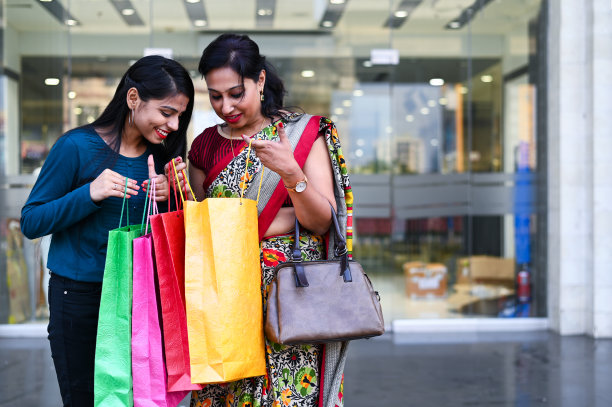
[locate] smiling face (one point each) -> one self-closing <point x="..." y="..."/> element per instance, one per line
<point x="156" y="118"/>
<point x="235" y="101"/>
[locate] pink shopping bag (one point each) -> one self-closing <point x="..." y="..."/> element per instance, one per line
<point x="148" y="365"/>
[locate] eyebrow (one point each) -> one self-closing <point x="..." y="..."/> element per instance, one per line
<point x="170" y="108"/>
<point x="232" y="88"/>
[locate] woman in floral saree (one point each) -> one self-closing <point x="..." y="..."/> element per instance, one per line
<point x="304" y="173"/>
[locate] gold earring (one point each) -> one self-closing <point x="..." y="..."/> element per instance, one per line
<point x="261" y="95"/>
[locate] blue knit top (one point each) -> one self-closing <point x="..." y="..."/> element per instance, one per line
<point x="60" y="203"/>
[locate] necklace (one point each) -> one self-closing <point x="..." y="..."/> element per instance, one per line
<point x="232" y="135"/>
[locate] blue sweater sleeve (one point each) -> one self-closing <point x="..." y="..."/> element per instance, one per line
<point x="53" y="205"/>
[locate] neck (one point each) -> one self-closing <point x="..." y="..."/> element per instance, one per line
<point x="132" y="142"/>
<point x="249" y="130"/>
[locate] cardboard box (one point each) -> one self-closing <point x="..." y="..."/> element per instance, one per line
<point x="485" y="269"/>
<point x="426" y="280"/>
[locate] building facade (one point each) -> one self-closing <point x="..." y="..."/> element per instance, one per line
<point x="475" y="132"/>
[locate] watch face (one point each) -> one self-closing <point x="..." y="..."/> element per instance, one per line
<point x="301" y="186"/>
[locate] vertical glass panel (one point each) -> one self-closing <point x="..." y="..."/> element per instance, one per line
<point x="4" y="296"/>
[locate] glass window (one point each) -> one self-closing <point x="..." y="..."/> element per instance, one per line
<point x="435" y="106"/>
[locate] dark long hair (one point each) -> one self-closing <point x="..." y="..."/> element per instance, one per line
<point x="241" y="54"/>
<point x="155" y="77"/>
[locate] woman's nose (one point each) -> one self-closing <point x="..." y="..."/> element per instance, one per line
<point x="228" y="106"/>
<point x="173" y="123"/>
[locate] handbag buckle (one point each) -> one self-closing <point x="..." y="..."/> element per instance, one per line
<point x="296" y="256"/>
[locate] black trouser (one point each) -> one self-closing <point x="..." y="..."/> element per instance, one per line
<point x="73" y="323"/>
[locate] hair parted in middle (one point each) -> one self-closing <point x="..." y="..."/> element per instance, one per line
<point x="241" y="54"/>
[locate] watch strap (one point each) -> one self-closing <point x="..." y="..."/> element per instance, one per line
<point x="293" y="188"/>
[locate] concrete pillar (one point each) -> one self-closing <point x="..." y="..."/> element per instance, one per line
<point x="601" y="303"/>
<point x="579" y="214"/>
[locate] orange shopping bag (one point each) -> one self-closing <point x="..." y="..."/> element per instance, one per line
<point x="223" y="290"/>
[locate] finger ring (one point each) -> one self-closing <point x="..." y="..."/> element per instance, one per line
<point x="114" y="186"/>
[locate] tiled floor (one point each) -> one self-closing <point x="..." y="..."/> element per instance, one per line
<point x="488" y="370"/>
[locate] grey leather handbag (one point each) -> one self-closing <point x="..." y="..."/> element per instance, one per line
<point x="322" y="301"/>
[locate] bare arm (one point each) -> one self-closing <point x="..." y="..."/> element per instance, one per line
<point x="196" y="180"/>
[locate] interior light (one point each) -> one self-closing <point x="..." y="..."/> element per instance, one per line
<point x="71" y="94"/>
<point x="359" y="152"/>
<point x="409" y="118"/>
<point x="367" y="64"/>
<point x="389" y="129"/>
<point x="401" y="14"/>
<point x="128" y="11"/>
<point x="327" y="24"/>
<point x="454" y="24"/>
<point x="436" y="81"/>
<point x="347" y="103"/>
<point x="90" y="119"/>
<point x="199" y="23"/>
<point x="424" y="110"/>
<point x="357" y="92"/>
<point x="77" y="111"/>
<point x="71" y="22"/>
<point x="308" y="73"/>
<point x="46" y="1"/>
<point x="486" y="78"/>
<point x="193" y="1"/>
<point x="431" y="103"/>
<point x="336" y="1"/>
<point x="443" y="101"/>
<point x="464" y="90"/>
<point x="339" y="111"/>
<point x="52" y="81"/>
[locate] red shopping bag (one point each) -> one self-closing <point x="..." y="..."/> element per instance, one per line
<point x="168" y="230"/>
<point x="148" y="366"/>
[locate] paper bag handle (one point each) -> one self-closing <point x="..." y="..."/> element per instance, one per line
<point x="148" y="210"/>
<point x="242" y="183"/>
<point x="124" y="204"/>
<point x="187" y="184"/>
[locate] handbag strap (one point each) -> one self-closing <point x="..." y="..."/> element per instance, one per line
<point x="340" y="252"/>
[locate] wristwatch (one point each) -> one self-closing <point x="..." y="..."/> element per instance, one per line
<point x="300" y="186"/>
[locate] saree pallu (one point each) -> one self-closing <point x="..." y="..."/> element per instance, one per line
<point x="303" y="375"/>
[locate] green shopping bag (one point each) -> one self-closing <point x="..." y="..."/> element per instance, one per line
<point x="113" y="361"/>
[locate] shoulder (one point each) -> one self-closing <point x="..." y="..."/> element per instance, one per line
<point x="80" y="138"/>
<point x="72" y="140"/>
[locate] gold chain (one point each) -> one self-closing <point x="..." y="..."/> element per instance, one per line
<point x="232" y="135"/>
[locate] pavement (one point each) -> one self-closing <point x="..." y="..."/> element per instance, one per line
<point x="438" y="370"/>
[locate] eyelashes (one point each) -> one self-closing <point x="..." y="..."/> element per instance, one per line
<point x="234" y="96"/>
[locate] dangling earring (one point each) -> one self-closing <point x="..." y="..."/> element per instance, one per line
<point x="261" y="95"/>
<point x="131" y="117"/>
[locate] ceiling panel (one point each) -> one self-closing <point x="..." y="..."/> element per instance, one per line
<point x="237" y="15"/>
<point x="361" y="17"/>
